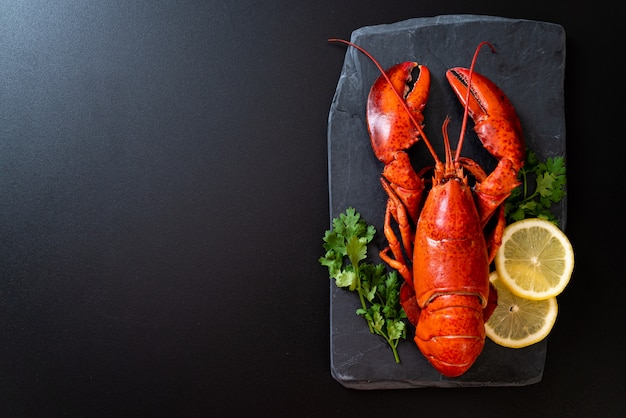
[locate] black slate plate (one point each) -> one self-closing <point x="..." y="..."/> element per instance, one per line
<point x="529" y="66"/>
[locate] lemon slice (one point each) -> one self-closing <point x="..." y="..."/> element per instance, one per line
<point x="519" y="322"/>
<point x="535" y="260"/>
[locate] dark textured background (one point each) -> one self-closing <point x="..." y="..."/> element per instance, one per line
<point x="164" y="191"/>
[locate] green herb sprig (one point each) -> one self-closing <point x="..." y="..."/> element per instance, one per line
<point x="543" y="185"/>
<point x="379" y="291"/>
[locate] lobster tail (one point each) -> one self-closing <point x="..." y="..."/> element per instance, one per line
<point x="451" y="333"/>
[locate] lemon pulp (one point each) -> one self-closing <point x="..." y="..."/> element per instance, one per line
<point x="535" y="260"/>
<point x="518" y="322"/>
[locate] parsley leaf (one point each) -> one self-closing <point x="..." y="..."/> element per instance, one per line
<point x="379" y="291"/>
<point x="543" y="185"/>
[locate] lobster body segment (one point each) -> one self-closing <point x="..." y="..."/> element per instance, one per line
<point x="450" y="252"/>
<point x="450" y="278"/>
<point x="446" y="238"/>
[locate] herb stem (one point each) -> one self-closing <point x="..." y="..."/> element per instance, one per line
<point x="359" y="290"/>
<point x="525" y="183"/>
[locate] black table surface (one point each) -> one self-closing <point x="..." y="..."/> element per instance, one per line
<point x="164" y="192"/>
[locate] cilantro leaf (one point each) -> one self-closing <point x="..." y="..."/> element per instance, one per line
<point x="356" y="250"/>
<point x="543" y="185"/>
<point x="378" y="291"/>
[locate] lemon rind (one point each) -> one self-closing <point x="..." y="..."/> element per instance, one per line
<point x="567" y="271"/>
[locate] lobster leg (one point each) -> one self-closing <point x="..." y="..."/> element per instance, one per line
<point x="494" y="240"/>
<point x="397" y="260"/>
<point x="397" y="210"/>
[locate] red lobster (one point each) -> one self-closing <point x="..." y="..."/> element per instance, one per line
<point x="446" y="227"/>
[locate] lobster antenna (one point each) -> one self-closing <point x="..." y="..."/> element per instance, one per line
<point x="446" y="141"/>
<point x="467" y="96"/>
<point x="384" y="74"/>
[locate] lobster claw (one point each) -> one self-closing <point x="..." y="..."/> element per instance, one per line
<point x="391" y="119"/>
<point x="498" y="128"/>
<point x="390" y="127"/>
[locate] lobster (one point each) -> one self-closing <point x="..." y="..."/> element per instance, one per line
<point x="450" y="216"/>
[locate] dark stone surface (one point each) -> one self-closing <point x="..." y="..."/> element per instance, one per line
<point x="529" y="66"/>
